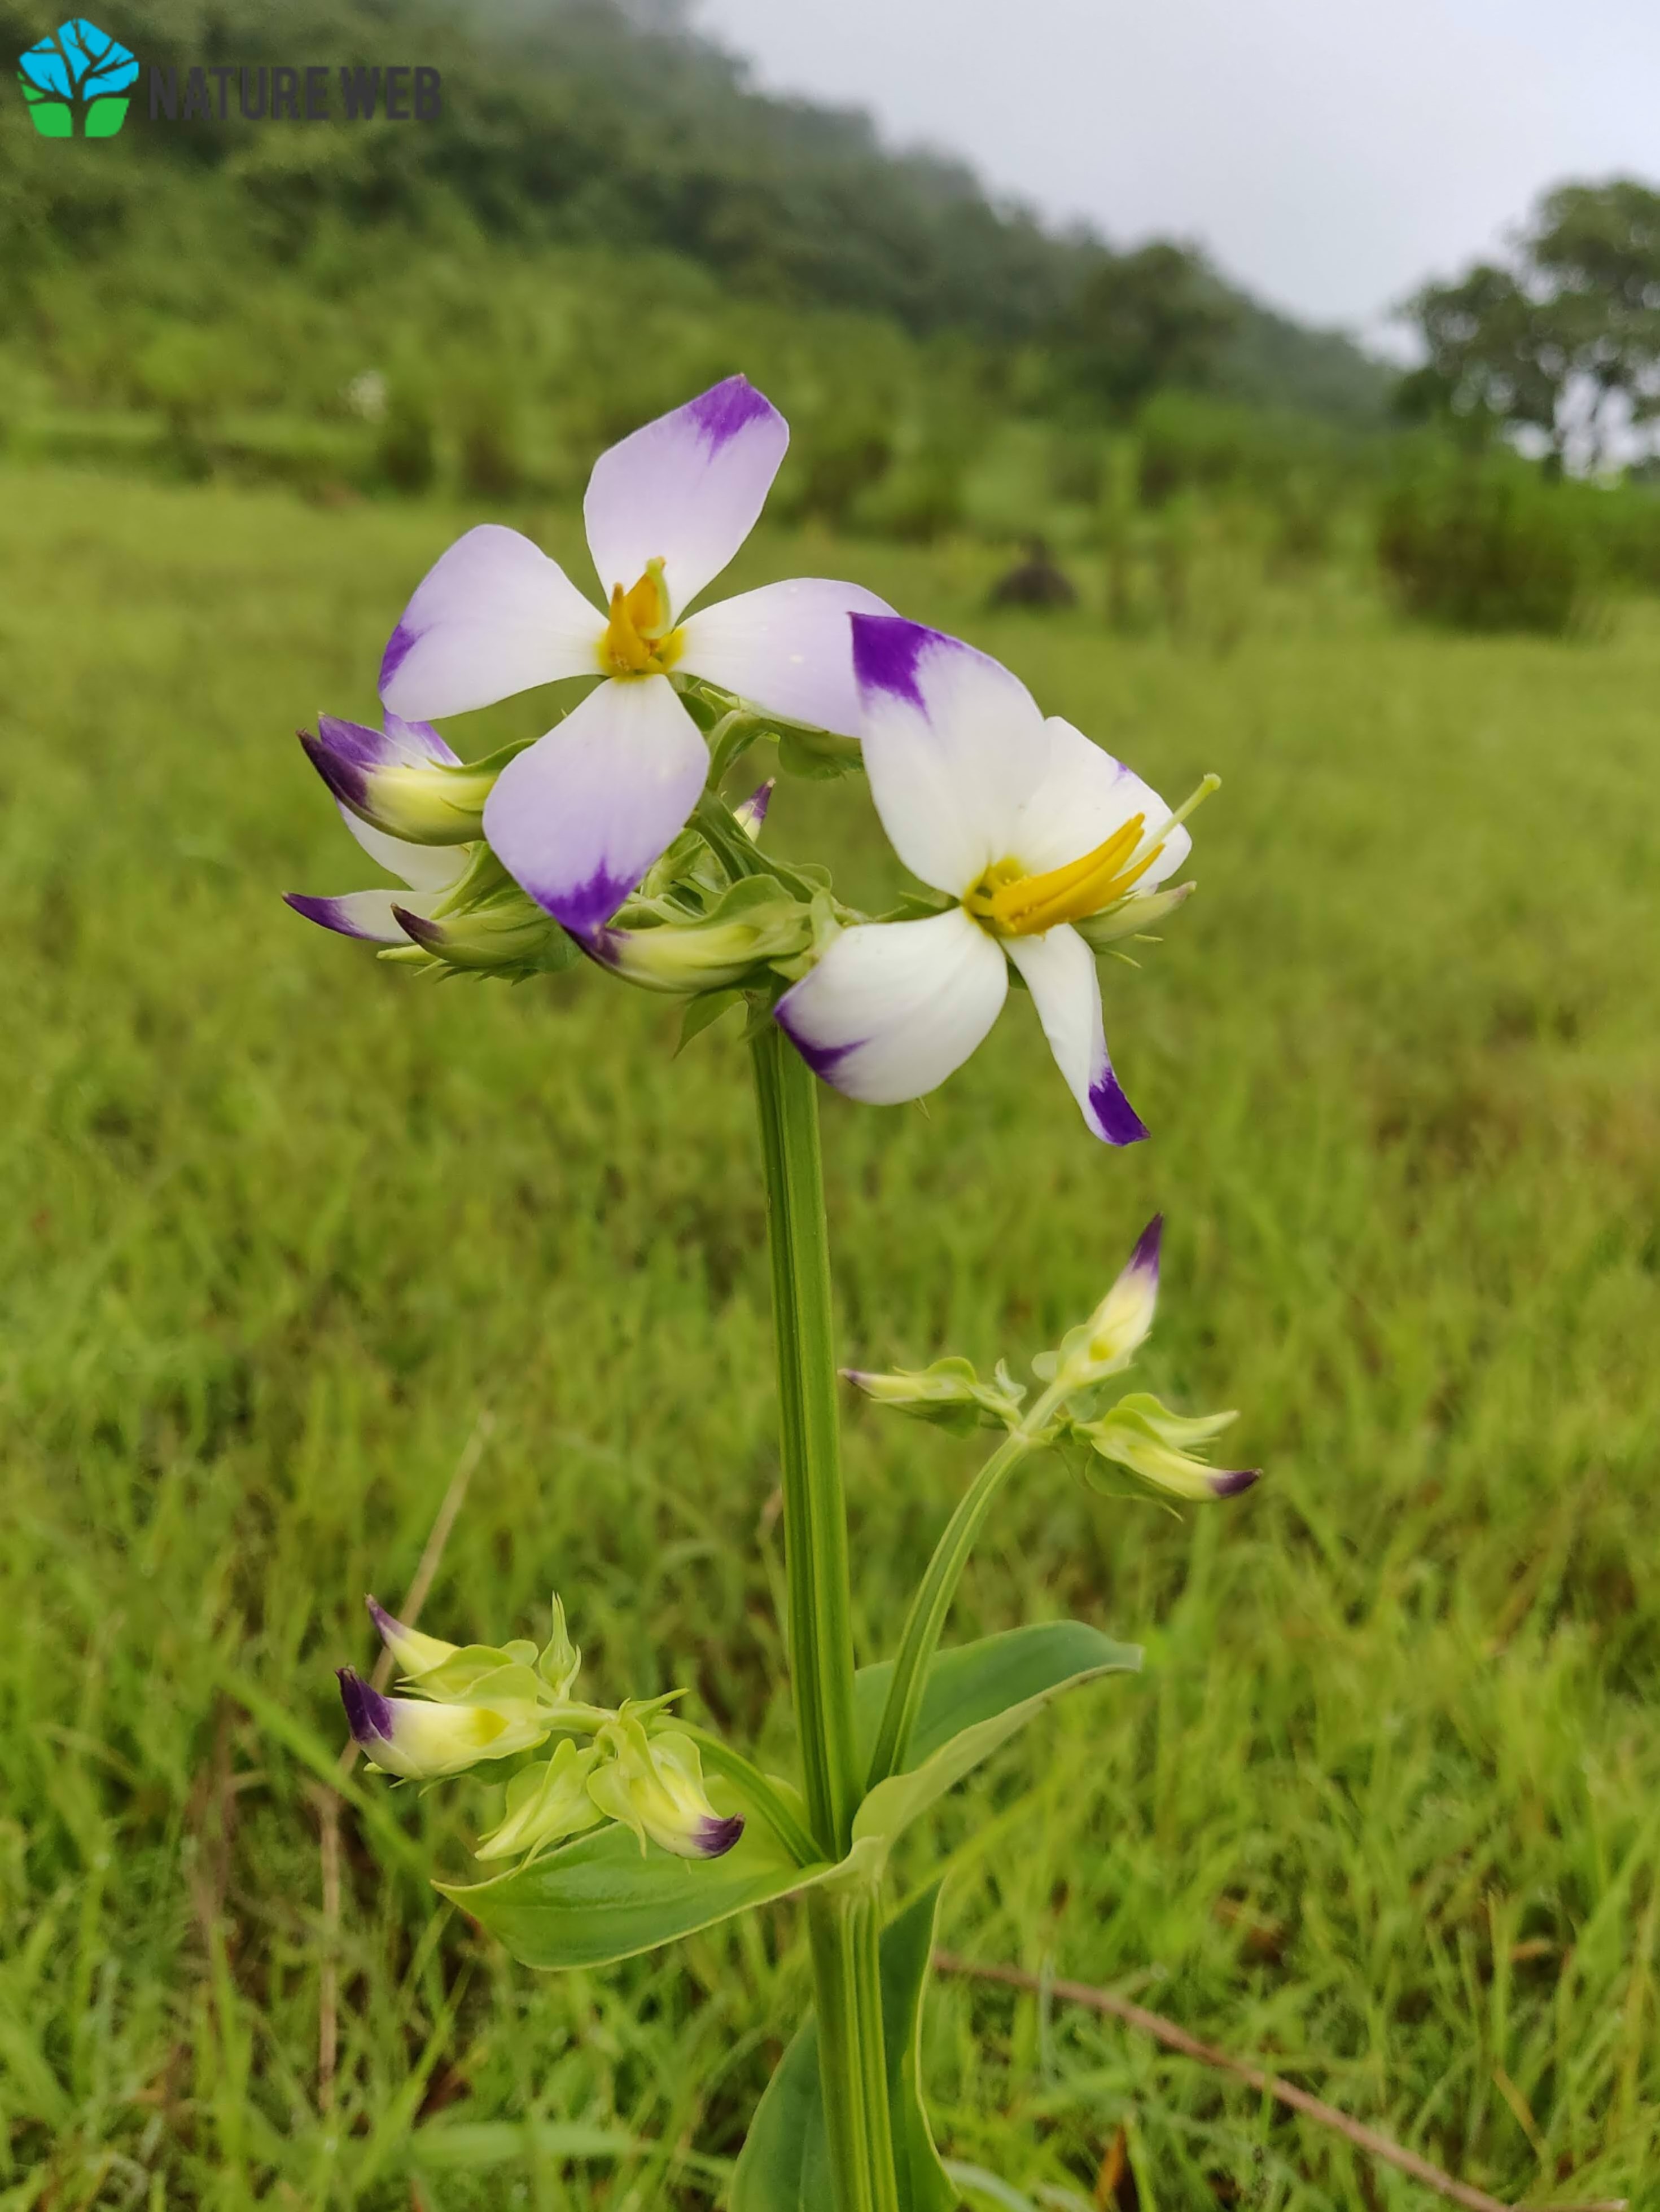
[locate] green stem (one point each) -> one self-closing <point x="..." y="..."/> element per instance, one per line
<point x="852" y="2073"/>
<point x="926" y="1617"/>
<point x="815" y="1515"/>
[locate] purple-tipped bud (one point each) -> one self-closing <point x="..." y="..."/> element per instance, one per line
<point x="753" y="813"/>
<point x="1229" y="1484"/>
<point x="368" y="1715"/>
<point x="414" y="1654"/>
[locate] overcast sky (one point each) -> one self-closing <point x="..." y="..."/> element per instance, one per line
<point x="1330" y="155"/>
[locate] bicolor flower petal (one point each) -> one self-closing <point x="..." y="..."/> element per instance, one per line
<point x="654" y="1785"/>
<point x="404" y="779"/>
<point x="1029" y="830"/>
<point x="422" y="1741"/>
<point x="580" y="816"/>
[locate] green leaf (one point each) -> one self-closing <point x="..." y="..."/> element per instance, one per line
<point x="785" y="2164"/>
<point x="977" y="1696"/>
<point x="599" y="1899"/>
<point x="973" y="1682"/>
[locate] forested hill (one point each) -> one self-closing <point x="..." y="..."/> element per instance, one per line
<point x="594" y="122"/>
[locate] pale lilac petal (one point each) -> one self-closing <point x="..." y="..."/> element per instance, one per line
<point x="894" y="1006"/>
<point x="418" y="740"/>
<point x="368" y="914"/>
<point x="396" y="743"/>
<point x="788" y="647"/>
<point x="422" y="867"/>
<point x="1085" y="796"/>
<point x="579" y="819"/>
<point x="954" y="746"/>
<point x="1059" y="972"/>
<point x="684" y="490"/>
<point x="492" y="617"/>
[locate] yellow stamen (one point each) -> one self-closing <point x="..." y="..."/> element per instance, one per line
<point x="638" y="640"/>
<point x="1015" y="904"/>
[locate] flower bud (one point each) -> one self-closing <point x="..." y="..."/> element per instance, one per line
<point x="546" y="1804"/>
<point x="949" y="1394"/>
<point x="422" y="1741"/>
<point x="1163" y="1447"/>
<point x="560" y="1663"/>
<point x="654" y="1785"/>
<point x="401" y="787"/>
<point x="502" y="933"/>
<point x="753" y="813"/>
<point x="413" y="1653"/>
<point x="752" y="923"/>
<point x="1114" y="1332"/>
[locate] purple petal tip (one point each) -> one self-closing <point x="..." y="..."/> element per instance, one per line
<point x="759" y="799"/>
<point x="1115" y="1121"/>
<point x="719" y="416"/>
<point x="715" y="1838"/>
<point x="326" y="913"/>
<point x="1230" y="1484"/>
<point x="398" y="646"/>
<point x="823" y="1059"/>
<point x="428" y="933"/>
<point x="383" y="1621"/>
<point x="885" y="650"/>
<point x="1147" y="1246"/>
<point x="345" y="776"/>
<point x="368" y="1715"/>
<point x="585" y="909"/>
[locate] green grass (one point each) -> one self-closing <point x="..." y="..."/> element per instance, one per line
<point x="278" y="1225"/>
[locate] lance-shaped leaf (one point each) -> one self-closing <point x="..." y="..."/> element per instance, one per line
<point x="977" y="1696"/>
<point x="598" y="1899"/>
<point x="785" y="2164"/>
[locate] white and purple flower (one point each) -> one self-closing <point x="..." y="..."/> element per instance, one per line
<point x="422" y="1741"/>
<point x="579" y="819"/>
<point x="352" y="760"/>
<point x="1029" y="828"/>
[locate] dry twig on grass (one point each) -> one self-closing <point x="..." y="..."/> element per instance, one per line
<point x="1314" y="2108"/>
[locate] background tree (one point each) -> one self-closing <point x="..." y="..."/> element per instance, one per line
<point x="1566" y="340"/>
<point x="1138" y="322"/>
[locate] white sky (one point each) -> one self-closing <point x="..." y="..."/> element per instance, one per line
<point x="1330" y="155"/>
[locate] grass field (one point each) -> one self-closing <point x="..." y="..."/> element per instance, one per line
<point x="281" y="1228"/>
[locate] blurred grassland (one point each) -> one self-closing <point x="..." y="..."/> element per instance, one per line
<point x="278" y="1227"/>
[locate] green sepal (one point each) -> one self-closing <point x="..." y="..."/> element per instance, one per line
<point x="599" y="1899"/>
<point x="481" y="1674"/>
<point x="784" y="2165"/>
<point x="976" y="1697"/>
<point x="819" y="755"/>
<point x="703" y="1012"/>
<point x="948" y="1395"/>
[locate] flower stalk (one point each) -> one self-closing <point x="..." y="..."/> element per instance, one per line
<point x="843" y="1929"/>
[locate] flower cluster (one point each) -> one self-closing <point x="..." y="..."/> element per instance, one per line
<point x="1165" y="1450"/>
<point x="477" y="1701"/>
<point x="607" y="835"/>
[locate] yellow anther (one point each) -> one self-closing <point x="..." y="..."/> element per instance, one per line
<point x="1015" y="904"/>
<point x="638" y="640"/>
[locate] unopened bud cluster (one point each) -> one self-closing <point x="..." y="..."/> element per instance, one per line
<point x="476" y="1702"/>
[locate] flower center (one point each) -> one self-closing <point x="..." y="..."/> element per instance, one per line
<point x="1012" y="903"/>
<point x="638" y="640"/>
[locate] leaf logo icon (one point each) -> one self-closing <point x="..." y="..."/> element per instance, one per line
<point x="76" y="82"/>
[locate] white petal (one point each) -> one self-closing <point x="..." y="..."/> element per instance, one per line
<point x="492" y="617"/>
<point x="422" y="867"/>
<point x="579" y="819"/>
<point x="1085" y="796"/>
<point x="684" y="490"/>
<point x="788" y="648"/>
<point x="1059" y="971"/>
<point x="368" y="914"/>
<point x="894" y="1006"/>
<point x="954" y="746"/>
